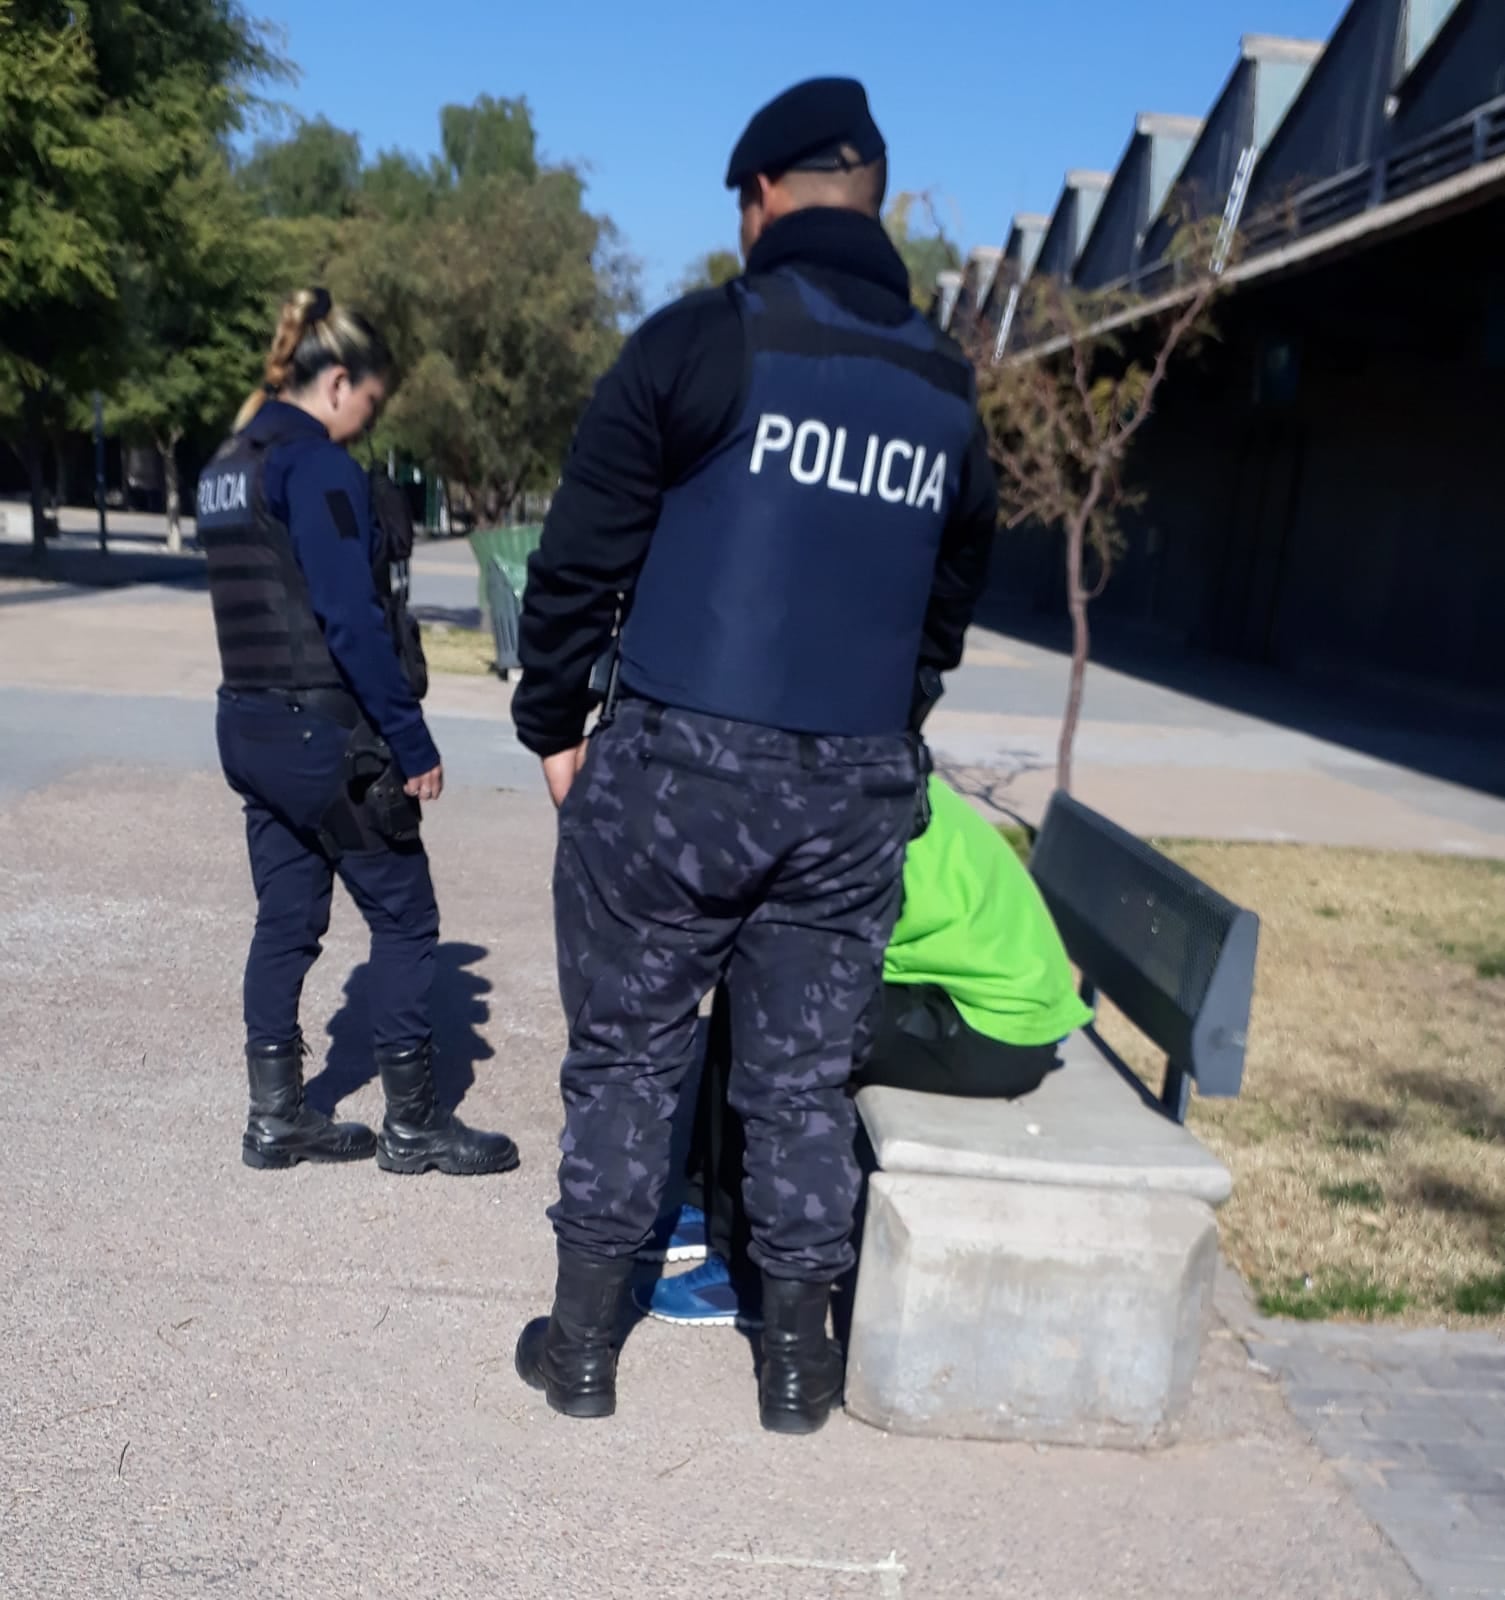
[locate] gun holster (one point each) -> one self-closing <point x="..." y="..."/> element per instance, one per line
<point x="605" y="682"/>
<point x="928" y="690"/>
<point x="924" y="766"/>
<point x="371" y="808"/>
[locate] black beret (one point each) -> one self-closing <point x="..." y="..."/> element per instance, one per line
<point x="804" y="131"/>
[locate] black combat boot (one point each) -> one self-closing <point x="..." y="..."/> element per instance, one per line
<point x="281" y="1130"/>
<point x="802" y="1368"/>
<point x="572" y="1355"/>
<point x="418" y="1133"/>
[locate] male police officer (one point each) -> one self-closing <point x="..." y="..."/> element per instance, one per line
<point x="786" y="482"/>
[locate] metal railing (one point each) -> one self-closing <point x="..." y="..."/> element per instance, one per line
<point x="1444" y="153"/>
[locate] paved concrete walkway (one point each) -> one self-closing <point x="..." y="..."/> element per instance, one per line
<point x="253" y="1384"/>
<point x="1414" y="1420"/>
<point x="221" y="1382"/>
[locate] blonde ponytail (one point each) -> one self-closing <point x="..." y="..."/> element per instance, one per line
<point x="313" y="333"/>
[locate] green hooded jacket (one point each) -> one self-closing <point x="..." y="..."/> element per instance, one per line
<point x="974" y="923"/>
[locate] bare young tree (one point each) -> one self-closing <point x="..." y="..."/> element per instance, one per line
<point x="1064" y="404"/>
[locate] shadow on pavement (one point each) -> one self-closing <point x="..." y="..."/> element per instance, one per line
<point x="461" y="1012"/>
<point x="1455" y="734"/>
<point x="66" y="569"/>
<point x="645" y="1276"/>
<point x="454" y="616"/>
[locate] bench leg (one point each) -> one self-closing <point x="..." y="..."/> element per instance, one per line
<point x="1175" y="1096"/>
<point x="1047" y="1313"/>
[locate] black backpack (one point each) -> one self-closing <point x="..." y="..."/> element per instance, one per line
<point x="395" y="536"/>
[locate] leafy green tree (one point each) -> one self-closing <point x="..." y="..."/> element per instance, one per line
<point x="63" y="148"/>
<point x="102" y="109"/>
<point x="304" y="250"/>
<point x="317" y="171"/>
<point x="201" y="304"/>
<point x="711" y="271"/>
<point x="397" y="187"/>
<point x="503" y="307"/>
<point x="489" y="139"/>
<point x="314" y="173"/>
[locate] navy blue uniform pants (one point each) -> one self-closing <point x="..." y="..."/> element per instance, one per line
<point x="287" y="765"/>
<point x="694" y="850"/>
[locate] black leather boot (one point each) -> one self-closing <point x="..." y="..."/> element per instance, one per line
<point x="418" y="1133"/>
<point x="281" y="1130"/>
<point x="802" y="1368"/>
<point x="572" y="1355"/>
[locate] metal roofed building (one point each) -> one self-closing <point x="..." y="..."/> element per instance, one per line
<point x="1140" y="188"/>
<point x="1266" y="78"/>
<point x="1071" y="222"/>
<point x="1320" y="488"/>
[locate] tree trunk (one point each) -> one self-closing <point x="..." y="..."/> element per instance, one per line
<point x="1076" y="602"/>
<point x="60" y="461"/>
<point x="167" y="449"/>
<point x="33" y="443"/>
<point x="495" y="503"/>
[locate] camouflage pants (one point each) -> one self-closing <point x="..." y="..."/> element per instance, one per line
<point x="693" y="849"/>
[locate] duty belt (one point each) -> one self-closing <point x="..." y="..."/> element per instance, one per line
<point x="339" y="705"/>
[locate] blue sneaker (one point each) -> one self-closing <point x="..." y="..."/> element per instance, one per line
<point x="680" y="1236"/>
<point x="703" y="1298"/>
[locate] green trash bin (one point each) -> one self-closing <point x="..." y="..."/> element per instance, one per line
<point x="502" y="556"/>
<point x="510" y="549"/>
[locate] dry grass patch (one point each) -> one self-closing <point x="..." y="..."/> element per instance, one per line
<point x="468" y="651"/>
<point x="1368" y="1147"/>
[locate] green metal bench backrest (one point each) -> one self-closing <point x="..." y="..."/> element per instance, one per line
<point x="1171" y="953"/>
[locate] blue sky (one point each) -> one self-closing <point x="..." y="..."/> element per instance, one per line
<point x="984" y="105"/>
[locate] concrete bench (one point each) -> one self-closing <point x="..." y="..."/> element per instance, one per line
<point x="1041" y="1269"/>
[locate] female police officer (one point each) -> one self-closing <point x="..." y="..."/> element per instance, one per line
<point x="321" y="735"/>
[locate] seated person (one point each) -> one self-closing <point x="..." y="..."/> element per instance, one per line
<point x="977" y="994"/>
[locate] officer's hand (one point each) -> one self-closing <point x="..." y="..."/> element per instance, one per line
<point x="427" y="786"/>
<point x="559" y="771"/>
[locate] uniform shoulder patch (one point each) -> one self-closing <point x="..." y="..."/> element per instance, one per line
<point x="347" y="524"/>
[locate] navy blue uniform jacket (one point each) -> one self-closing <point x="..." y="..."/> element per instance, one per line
<point x="315" y="487"/>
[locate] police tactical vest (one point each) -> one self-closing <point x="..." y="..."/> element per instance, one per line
<point x="787" y="580"/>
<point x="264" y="622"/>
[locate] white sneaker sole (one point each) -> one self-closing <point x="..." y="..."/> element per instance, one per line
<point x="675" y="1254"/>
<point x="725" y="1320"/>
